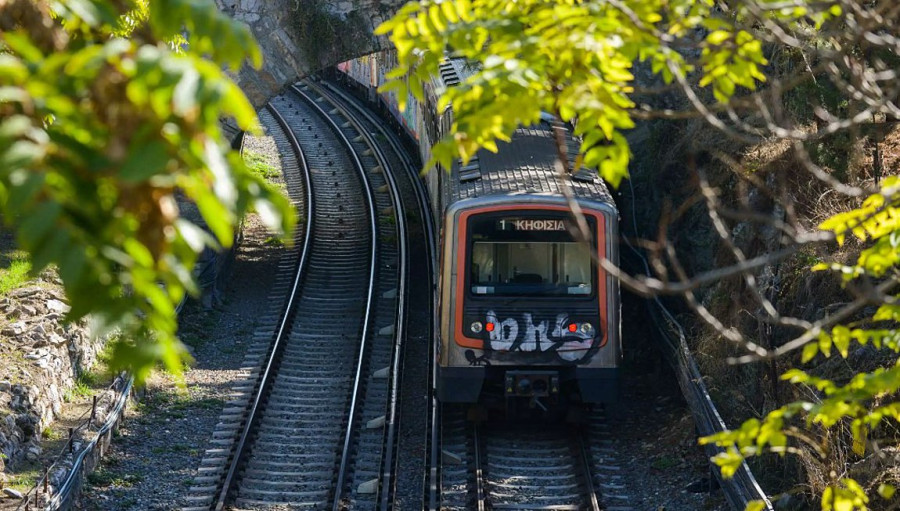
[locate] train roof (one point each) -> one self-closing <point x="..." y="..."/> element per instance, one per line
<point x="523" y="165"/>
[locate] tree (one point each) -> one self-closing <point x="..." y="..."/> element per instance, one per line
<point x="578" y="60"/>
<point x="108" y="109"/>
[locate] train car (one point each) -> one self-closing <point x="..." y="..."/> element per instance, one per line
<point x="525" y="312"/>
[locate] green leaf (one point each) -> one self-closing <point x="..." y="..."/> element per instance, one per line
<point x="810" y="350"/>
<point x="22" y="153"/>
<point x="138" y="253"/>
<point x="184" y="96"/>
<point x="24" y="187"/>
<point x="20" y="44"/>
<point x="194" y="236"/>
<point x="729" y="461"/>
<point x="447" y="8"/>
<point x="145" y="159"/>
<point x="72" y="265"/>
<point x="37" y="225"/>
<point x="755" y="505"/>
<point x="86" y="10"/>
<point x="216" y="216"/>
<point x="12" y="70"/>
<point x="718" y="37"/>
<point x="825" y="344"/>
<point x="51" y="248"/>
<point x="15" y="126"/>
<point x="840" y="335"/>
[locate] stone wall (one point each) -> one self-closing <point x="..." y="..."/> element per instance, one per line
<point x="41" y="359"/>
<point x="298" y="37"/>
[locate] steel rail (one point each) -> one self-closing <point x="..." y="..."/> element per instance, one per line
<point x="433" y="497"/>
<point x="267" y="377"/>
<point x="409" y="167"/>
<point x="585" y="458"/>
<point x="391" y="421"/>
<point x="480" y="494"/>
<point x="434" y="468"/>
<point x="578" y="468"/>
<point x="370" y="197"/>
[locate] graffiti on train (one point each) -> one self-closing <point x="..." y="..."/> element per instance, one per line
<point x="526" y="335"/>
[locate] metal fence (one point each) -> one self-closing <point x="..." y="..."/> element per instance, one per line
<point x="61" y="482"/>
<point x="742" y="487"/>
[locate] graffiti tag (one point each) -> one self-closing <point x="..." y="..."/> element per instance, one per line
<point x="539" y="337"/>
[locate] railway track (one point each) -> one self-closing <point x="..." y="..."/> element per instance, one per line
<point x="533" y="467"/>
<point x="368" y="477"/>
<point x="414" y="423"/>
<point x="522" y="466"/>
<point x="313" y="433"/>
<point x="215" y="464"/>
<point x="321" y="424"/>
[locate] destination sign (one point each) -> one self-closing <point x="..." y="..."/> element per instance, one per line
<point x="532" y="224"/>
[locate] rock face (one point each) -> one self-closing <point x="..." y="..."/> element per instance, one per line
<point x="40" y="357"/>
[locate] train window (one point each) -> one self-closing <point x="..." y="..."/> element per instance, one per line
<point x="528" y="257"/>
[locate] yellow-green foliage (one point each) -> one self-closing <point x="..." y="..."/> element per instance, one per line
<point x="573" y="59"/>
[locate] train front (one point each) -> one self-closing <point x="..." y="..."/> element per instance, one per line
<point x="527" y="313"/>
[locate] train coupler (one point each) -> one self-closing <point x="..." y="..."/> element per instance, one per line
<point x="531" y="384"/>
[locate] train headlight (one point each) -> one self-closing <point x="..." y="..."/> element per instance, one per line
<point x="476" y="326"/>
<point x="489" y="327"/>
<point x="587" y="328"/>
<point x="573" y="327"/>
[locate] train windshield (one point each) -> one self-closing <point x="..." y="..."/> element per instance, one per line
<point x="528" y="257"/>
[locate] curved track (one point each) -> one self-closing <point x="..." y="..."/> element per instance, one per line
<point x="537" y="466"/>
<point x="312" y="435"/>
<point x="366" y="467"/>
<point x="413" y="424"/>
<point x="299" y="434"/>
<point x="232" y="427"/>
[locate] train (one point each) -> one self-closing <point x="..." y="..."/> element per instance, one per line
<point x="525" y="314"/>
